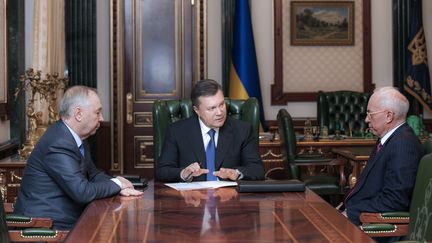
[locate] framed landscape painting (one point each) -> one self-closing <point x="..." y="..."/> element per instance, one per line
<point x="321" y="23"/>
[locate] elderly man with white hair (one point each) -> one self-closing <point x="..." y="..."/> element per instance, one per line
<point x="387" y="181"/>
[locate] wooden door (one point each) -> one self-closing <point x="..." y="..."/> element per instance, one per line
<point x="157" y="53"/>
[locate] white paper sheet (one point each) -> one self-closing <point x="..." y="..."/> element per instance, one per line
<point x="200" y="185"/>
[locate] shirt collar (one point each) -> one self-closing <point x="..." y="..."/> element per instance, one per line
<point x="389" y="133"/>
<point x="205" y="129"/>
<point x="74" y="135"/>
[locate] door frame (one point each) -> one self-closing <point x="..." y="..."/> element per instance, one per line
<point x="117" y="100"/>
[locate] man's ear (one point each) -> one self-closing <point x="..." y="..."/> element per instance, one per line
<point x="390" y="117"/>
<point x="195" y="110"/>
<point x="78" y="113"/>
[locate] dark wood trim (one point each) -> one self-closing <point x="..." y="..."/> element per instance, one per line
<point x="116" y="72"/>
<point x="103" y="147"/>
<point x="277" y="94"/>
<point x="368" y="86"/>
<point x="4" y="112"/>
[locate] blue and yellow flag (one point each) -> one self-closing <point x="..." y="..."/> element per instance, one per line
<point x="244" y="76"/>
<point x="417" y="82"/>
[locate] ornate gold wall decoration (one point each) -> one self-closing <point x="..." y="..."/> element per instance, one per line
<point x="40" y="93"/>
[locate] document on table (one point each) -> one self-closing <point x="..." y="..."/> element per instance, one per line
<point x="200" y="185"/>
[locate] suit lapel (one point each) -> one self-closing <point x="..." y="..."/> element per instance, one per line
<point x="373" y="160"/>
<point x="197" y="143"/>
<point x="83" y="161"/>
<point x="224" y="142"/>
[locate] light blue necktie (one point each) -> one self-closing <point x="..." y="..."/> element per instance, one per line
<point x="210" y="156"/>
<point x="81" y="148"/>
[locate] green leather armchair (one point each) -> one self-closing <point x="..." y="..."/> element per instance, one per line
<point x="321" y="183"/>
<point x="166" y="112"/>
<point x="345" y="108"/>
<point x="415" y="224"/>
<point x="29" y="234"/>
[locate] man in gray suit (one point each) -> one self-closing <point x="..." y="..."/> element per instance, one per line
<point x="185" y="154"/>
<point x="60" y="178"/>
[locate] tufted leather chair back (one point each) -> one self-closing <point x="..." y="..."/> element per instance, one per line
<point x="166" y="112"/>
<point x="348" y="108"/>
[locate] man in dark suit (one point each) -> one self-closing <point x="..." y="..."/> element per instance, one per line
<point x="60" y="178"/>
<point x="387" y="181"/>
<point x="187" y="143"/>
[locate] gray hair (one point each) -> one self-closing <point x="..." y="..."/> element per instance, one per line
<point x="73" y="97"/>
<point x="390" y="98"/>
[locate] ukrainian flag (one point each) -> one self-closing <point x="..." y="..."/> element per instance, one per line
<point x="244" y="76"/>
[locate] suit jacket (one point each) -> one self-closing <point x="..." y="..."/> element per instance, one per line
<point x="183" y="145"/>
<point x="387" y="181"/>
<point x="58" y="182"/>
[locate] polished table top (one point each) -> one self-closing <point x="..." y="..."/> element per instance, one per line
<point x="215" y="215"/>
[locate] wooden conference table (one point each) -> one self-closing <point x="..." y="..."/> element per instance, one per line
<point x="166" y="215"/>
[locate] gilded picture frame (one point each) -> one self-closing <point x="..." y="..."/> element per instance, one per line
<point x="322" y="23"/>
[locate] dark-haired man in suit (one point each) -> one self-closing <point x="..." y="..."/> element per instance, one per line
<point x="387" y="181"/>
<point x="60" y="178"/>
<point x="185" y="154"/>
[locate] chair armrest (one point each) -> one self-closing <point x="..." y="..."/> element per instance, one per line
<point x="384" y="230"/>
<point x="387" y="217"/>
<point x="37" y="235"/>
<point x="13" y="220"/>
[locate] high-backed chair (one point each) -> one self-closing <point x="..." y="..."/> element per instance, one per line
<point x="321" y="183"/>
<point x="417" y="223"/>
<point x="346" y="108"/>
<point x="28" y="234"/>
<point x="166" y="112"/>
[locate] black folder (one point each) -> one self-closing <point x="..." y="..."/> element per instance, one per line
<point x="271" y="186"/>
<point x="136" y="180"/>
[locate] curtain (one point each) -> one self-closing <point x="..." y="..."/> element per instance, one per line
<point x="48" y="37"/>
<point x="48" y="51"/>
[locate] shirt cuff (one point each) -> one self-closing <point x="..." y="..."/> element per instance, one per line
<point x="240" y="175"/>
<point x="117" y="181"/>
<point x="185" y="179"/>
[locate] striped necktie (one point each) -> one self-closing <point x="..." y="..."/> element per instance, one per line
<point x="210" y="156"/>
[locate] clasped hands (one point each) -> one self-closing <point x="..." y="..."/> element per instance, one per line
<point x="194" y="170"/>
<point x="127" y="189"/>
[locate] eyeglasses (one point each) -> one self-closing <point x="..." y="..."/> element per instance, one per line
<point x="369" y="114"/>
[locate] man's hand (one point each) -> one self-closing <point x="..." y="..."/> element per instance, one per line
<point x="125" y="183"/>
<point x="193" y="170"/>
<point x="225" y="194"/>
<point x="225" y="173"/>
<point x="344" y="212"/>
<point x="193" y="197"/>
<point x="130" y="192"/>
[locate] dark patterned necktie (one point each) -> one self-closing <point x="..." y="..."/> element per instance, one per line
<point x="379" y="146"/>
<point x="210" y="156"/>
